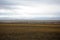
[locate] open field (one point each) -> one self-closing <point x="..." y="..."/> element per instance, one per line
<point x="29" y="31"/>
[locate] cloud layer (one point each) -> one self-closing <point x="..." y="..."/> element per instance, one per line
<point x="30" y="9"/>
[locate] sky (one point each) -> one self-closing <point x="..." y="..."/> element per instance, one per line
<point x="30" y="9"/>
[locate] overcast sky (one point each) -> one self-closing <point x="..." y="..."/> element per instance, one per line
<point x="30" y="9"/>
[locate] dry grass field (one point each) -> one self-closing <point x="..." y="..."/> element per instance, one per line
<point x="29" y="31"/>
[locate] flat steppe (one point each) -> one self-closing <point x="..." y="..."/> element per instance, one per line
<point x="30" y="31"/>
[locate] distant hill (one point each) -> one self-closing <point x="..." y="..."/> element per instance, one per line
<point x="31" y="21"/>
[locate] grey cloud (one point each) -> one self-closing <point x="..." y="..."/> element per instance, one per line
<point x="6" y="4"/>
<point x="7" y="14"/>
<point x="52" y="1"/>
<point x="7" y="7"/>
<point x="21" y="2"/>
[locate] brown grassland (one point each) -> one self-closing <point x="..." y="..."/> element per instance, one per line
<point x="29" y="31"/>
